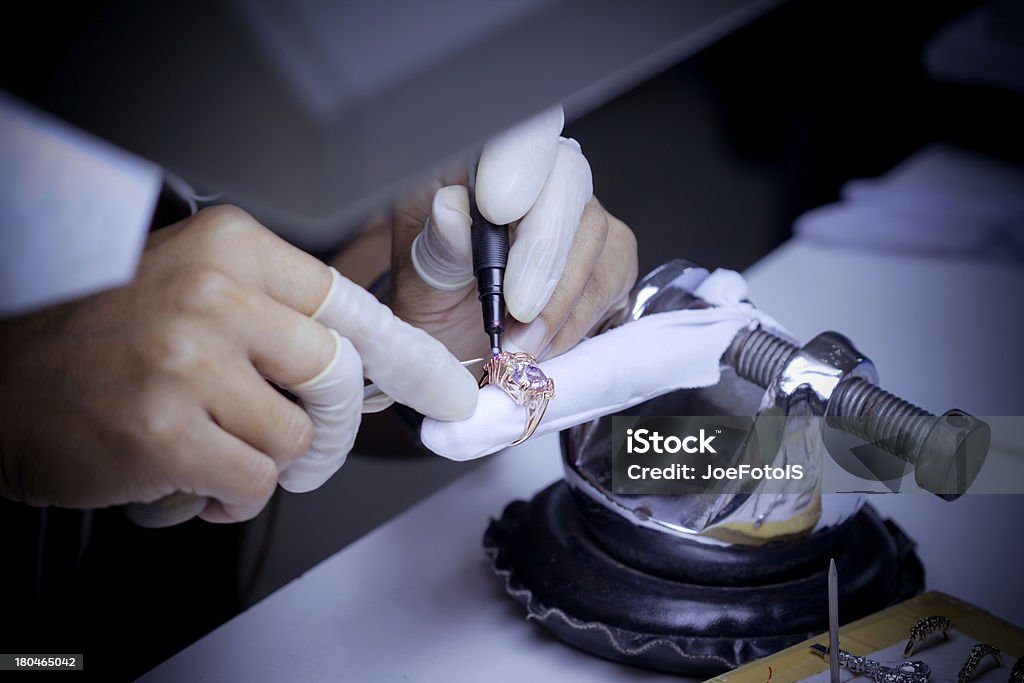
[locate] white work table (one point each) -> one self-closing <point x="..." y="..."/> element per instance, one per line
<point x="416" y="600"/>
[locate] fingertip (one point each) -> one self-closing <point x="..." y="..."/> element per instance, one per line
<point x="451" y="220"/>
<point x="377" y="403"/>
<point x="214" y="513"/>
<point x="534" y="269"/>
<point x="333" y="402"/>
<point x="572" y="143"/>
<point x="442" y="253"/>
<point x="524" y="309"/>
<point x="308" y="474"/>
<point x="459" y="402"/>
<point x="168" y="511"/>
<point x="332" y="291"/>
<point x="448" y="394"/>
<point x="339" y="347"/>
<point x="217" y="512"/>
<point x="451" y="199"/>
<point x="515" y="164"/>
<point x="578" y="167"/>
<point x="530" y="337"/>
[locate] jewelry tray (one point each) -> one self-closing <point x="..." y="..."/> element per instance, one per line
<point x="880" y="630"/>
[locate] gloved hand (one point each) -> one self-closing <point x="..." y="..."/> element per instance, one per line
<point x="157" y="388"/>
<point x="570" y="265"/>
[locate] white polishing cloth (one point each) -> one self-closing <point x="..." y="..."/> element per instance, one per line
<point x="608" y="373"/>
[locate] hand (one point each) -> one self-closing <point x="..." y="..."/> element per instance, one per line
<point x="570" y="266"/>
<point x="158" y="388"/>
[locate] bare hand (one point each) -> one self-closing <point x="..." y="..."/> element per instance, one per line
<point x="158" y="388"/>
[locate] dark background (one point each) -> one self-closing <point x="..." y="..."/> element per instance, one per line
<point x="711" y="160"/>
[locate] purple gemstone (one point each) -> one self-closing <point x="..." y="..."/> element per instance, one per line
<point x="533" y="376"/>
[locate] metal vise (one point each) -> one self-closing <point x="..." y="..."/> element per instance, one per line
<point x="827" y="381"/>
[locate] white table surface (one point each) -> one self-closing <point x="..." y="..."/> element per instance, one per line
<point x="416" y="601"/>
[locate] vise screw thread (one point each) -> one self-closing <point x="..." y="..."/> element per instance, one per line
<point x="859" y="406"/>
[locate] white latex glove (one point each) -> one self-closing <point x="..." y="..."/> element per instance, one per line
<point x="528" y="173"/>
<point x="405" y="362"/>
<point x="608" y="373"/>
<point x="570" y="262"/>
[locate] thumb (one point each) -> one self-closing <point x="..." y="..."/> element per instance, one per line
<point x="442" y="252"/>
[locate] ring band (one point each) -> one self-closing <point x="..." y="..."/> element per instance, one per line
<point x="978" y="653"/>
<point x="1017" y="674"/>
<point x="518" y="376"/>
<point x="925" y="628"/>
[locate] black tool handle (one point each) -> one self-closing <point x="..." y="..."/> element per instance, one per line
<point x="490" y="256"/>
<point x="490" y="242"/>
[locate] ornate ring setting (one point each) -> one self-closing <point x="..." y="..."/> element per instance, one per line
<point x="925" y="628"/>
<point x="518" y="376"/>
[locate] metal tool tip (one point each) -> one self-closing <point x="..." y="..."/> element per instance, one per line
<point x="833" y="622"/>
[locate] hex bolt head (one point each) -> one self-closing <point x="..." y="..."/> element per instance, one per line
<point x="947" y="451"/>
<point x="951" y="454"/>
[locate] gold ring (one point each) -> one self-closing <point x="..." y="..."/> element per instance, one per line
<point x="518" y="376"/>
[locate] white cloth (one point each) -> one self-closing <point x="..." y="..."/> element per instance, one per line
<point x="608" y="373"/>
